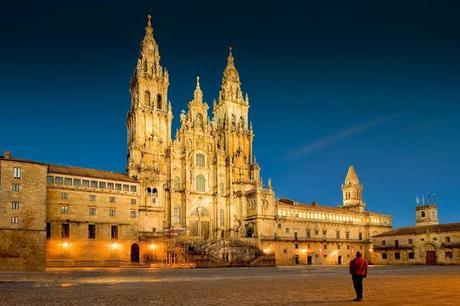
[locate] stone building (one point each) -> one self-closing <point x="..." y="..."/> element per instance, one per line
<point x="428" y="242"/>
<point x="197" y="194"/>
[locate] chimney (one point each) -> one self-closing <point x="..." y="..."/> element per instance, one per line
<point x="6" y="154"/>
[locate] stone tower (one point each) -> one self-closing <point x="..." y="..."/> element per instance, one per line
<point x="149" y="125"/>
<point x="353" y="191"/>
<point x="426" y="213"/>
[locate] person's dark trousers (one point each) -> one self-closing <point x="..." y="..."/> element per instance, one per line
<point x="358" y="284"/>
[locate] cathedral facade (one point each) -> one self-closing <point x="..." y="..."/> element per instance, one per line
<point x="197" y="196"/>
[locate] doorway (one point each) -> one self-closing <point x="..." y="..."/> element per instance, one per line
<point x="296" y="259"/>
<point x="430" y="258"/>
<point x="309" y="260"/>
<point x="134" y="253"/>
<point x="340" y="260"/>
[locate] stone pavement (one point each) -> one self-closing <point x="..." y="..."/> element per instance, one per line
<point x="387" y="285"/>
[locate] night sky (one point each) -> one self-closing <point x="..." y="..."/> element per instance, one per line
<point x="331" y="83"/>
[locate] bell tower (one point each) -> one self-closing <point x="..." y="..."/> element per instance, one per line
<point x="352" y="191"/>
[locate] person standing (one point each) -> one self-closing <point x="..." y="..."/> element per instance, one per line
<point x="358" y="271"/>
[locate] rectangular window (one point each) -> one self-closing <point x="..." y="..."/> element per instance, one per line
<point x="325" y="246"/>
<point x="279" y="225"/>
<point x="200" y="160"/>
<point x="118" y="187"/>
<point x="64" y="196"/>
<point x="397" y="255"/>
<point x="295" y="236"/>
<point x="448" y="239"/>
<point x="133" y="188"/>
<point x="93" y="184"/>
<point x="133" y="214"/>
<point x="113" y="212"/>
<point x="15" y="205"/>
<point x="50" y="180"/>
<point x="287" y="230"/>
<point x="15" y="187"/>
<point x="348" y="246"/>
<point x="337" y="234"/>
<point x="397" y="243"/>
<point x="17" y="173"/>
<point x="92" y="197"/>
<point x="110" y="186"/>
<point x="409" y="241"/>
<point x="68" y="181"/>
<point x="112" y="199"/>
<point x="64" y="209"/>
<point x="316" y="232"/>
<point x="114" y="232"/>
<point x="91" y="231"/>
<point x="133" y="201"/>
<point x="384" y="242"/>
<point x="384" y="255"/>
<point x="58" y="180"/>
<point x="411" y="255"/>
<point x="308" y="233"/>
<point x="338" y="247"/>
<point x="360" y="237"/>
<point x="85" y="183"/>
<point x="48" y="230"/>
<point x="14" y="220"/>
<point x="324" y="233"/>
<point x="347" y="235"/>
<point x="296" y="245"/>
<point x="77" y="182"/>
<point x="65" y="230"/>
<point x="449" y="255"/>
<point x="102" y="185"/>
<point x="92" y="211"/>
<point x="125" y="187"/>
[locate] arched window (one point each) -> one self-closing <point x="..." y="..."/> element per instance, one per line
<point x="159" y="102"/>
<point x="199" y="120"/>
<point x="147" y="98"/>
<point x="176" y="215"/>
<point x="176" y="183"/>
<point x="200" y="183"/>
<point x="200" y="160"/>
<point x="221" y="217"/>
<point x="423" y="214"/>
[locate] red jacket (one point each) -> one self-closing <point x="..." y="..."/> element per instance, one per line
<point x="358" y="266"/>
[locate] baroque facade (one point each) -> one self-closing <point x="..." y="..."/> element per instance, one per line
<point x="197" y="194"/>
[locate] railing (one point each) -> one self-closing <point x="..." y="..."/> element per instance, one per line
<point x="312" y="239"/>
<point x="393" y="247"/>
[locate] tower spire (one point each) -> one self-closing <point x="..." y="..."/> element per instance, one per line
<point x="198" y="93"/>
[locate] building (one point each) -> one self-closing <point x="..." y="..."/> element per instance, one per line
<point x="428" y="242"/>
<point x="199" y="193"/>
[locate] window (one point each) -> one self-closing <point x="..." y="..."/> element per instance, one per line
<point x="64" y="196"/>
<point x="384" y="242"/>
<point x="324" y="233"/>
<point x="279" y="225"/>
<point x="48" y="230"/>
<point x="449" y="255"/>
<point x="410" y="241"/>
<point x="435" y="238"/>
<point x="15" y="187"/>
<point x="92" y="197"/>
<point x="125" y="187"/>
<point x="118" y="187"/>
<point x="93" y="184"/>
<point x="58" y="180"/>
<point x="423" y="214"/>
<point x="384" y="255"/>
<point x="287" y="230"/>
<point x="411" y="255"/>
<point x="347" y="235"/>
<point x="133" y="214"/>
<point x="176" y="183"/>
<point x="325" y="246"/>
<point x="110" y="186"/>
<point x="159" y="102"/>
<point x="348" y="246"/>
<point x="113" y="212"/>
<point x="77" y="182"/>
<point x="397" y="243"/>
<point x="17" y="173"/>
<point x="200" y="183"/>
<point x="64" y="209"/>
<point x="92" y="211"/>
<point x="91" y="231"/>
<point x="295" y="236"/>
<point x="308" y="233"/>
<point x="114" y="231"/>
<point x="65" y="230"/>
<point x="360" y="236"/>
<point x="112" y="199"/>
<point x="133" y="188"/>
<point x="14" y="220"/>
<point x="200" y="160"/>
<point x="68" y="181"/>
<point x="133" y="201"/>
<point x="447" y="239"/>
<point x="422" y="239"/>
<point x="222" y="217"/>
<point x="176" y="215"/>
<point x="316" y="232"/>
<point x="337" y="234"/>
<point x="15" y="205"/>
<point x="338" y="247"/>
<point x="85" y="183"/>
<point x="397" y="255"/>
<point x="102" y="185"/>
<point x="296" y="245"/>
<point x="147" y="93"/>
<point x="50" y="180"/>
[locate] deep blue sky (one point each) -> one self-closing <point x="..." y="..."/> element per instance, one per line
<point x="331" y="83"/>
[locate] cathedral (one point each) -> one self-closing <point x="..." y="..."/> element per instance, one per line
<point x="194" y="198"/>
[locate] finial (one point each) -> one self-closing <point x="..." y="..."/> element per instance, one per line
<point x="197" y="81"/>
<point x="230" y="50"/>
<point x="148" y="27"/>
<point x="230" y="55"/>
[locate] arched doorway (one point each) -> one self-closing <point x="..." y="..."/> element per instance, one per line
<point x="249" y="232"/>
<point x="429" y="249"/>
<point x="134" y="253"/>
<point x="200" y="223"/>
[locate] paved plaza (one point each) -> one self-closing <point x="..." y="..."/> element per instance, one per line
<point x="387" y="285"/>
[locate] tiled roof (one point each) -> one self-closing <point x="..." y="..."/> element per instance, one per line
<point x="77" y="171"/>
<point x="414" y="230"/>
